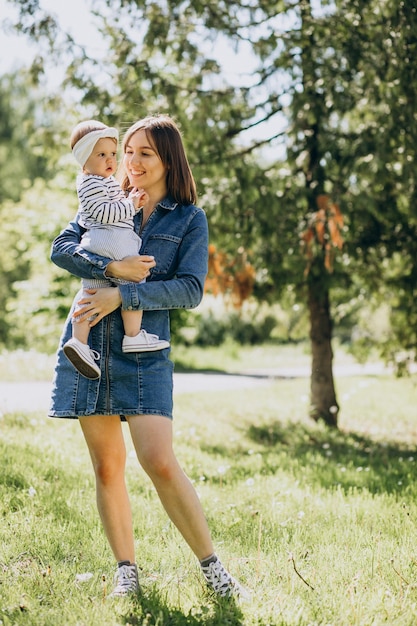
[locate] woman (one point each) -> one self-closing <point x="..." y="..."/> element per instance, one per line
<point x="138" y="387"/>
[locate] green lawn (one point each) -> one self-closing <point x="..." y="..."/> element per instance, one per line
<point x="320" y="525"/>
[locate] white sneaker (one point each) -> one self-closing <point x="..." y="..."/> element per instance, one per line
<point x="82" y="357"/>
<point x="143" y="342"/>
<point x="222" y="583"/>
<point x="126" y="581"/>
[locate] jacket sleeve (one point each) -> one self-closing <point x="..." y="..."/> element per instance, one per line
<point x="67" y="253"/>
<point x="185" y="288"/>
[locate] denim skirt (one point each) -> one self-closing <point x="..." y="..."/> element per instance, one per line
<point x="138" y="383"/>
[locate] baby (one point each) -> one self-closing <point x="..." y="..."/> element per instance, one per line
<point x="107" y="215"/>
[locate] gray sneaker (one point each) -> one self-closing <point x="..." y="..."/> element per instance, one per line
<point x="126" y="581"/>
<point x="222" y="583"/>
<point x="82" y="357"/>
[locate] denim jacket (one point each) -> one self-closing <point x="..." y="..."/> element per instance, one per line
<point x="177" y="236"/>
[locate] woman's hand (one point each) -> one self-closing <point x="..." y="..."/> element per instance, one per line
<point x="132" y="268"/>
<point x="97" y="303"/>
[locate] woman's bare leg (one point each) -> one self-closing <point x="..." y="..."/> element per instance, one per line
<point x="104" y="437"/>
<point x="152" y="438"/>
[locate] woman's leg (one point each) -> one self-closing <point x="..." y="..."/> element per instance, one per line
<point x="152" y="438"/>
<point x="104" y="437"/>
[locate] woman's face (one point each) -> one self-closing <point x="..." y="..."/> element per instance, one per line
<point x="143" y="166"/>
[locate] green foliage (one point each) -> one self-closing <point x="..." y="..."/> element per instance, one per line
<point x="214" y="331"/>
<point x="38" y="295"/>
<point x="31" y="212"/>
<point x="215" y="323"/>
<point x="28" y="133"/>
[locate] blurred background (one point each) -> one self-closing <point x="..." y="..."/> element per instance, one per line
<point x="299" y="120"/>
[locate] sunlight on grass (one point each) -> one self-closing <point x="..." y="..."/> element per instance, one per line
<point x="232" y="357"/>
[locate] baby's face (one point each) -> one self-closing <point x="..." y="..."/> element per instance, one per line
<point x="103" y="159"/>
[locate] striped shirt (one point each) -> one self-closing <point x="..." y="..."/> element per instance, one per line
<point x="102" y="201"/>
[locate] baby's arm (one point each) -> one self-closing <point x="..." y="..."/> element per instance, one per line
<point x="139" y="197"/>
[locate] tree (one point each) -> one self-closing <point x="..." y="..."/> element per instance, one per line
<point x="335" y="86"/>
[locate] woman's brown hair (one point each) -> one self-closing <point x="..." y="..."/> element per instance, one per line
<point x="164" y="136"/>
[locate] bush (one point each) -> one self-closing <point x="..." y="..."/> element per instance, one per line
<point x="212" y="331"/>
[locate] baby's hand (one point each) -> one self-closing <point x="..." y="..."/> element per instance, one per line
<point x="139" y="197"/>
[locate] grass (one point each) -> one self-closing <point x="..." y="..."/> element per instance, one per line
<point x="235" y="358"/>
<point x="320" y="525"/>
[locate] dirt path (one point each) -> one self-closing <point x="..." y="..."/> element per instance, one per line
<point x="34" y="396"/>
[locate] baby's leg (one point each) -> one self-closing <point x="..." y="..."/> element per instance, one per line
<point x="79" y="353"/>
<point x="132" y="321"/>
<point x="81" y="330"/>
<point x="137" y="339"/>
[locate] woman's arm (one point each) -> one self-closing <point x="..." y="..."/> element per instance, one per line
<point x="67" y="253"/>
<point x="184" y="290"/>
<point x="97" y="303"/>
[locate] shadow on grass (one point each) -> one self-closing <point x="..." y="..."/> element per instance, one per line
<point x="152" y="610"/>
<point x="321" y="456"/>
<point x="329" y="457"/>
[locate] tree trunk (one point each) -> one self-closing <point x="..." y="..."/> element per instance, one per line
<point x="323" y="403"/>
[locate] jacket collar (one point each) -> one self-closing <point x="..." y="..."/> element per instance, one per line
<point x="168" y="203"/>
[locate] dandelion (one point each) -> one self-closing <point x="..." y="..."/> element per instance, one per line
<point x="250" y="482"/>
<point x="32" y="492"/>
